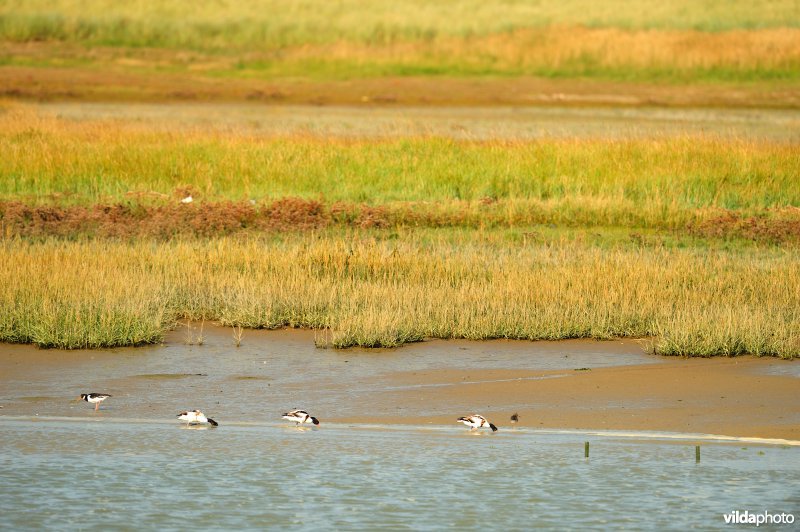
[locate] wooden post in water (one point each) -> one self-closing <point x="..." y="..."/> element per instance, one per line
<point x="586" y="450"/>
<point x="696" y="454"/>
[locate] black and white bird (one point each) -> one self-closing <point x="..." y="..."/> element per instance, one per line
<point x="475" y="422"/>
<point x="94" y="398"/>
<point x="300" y="416"/>
<point x="196" y="416"/>
<point x="514" y="418"/>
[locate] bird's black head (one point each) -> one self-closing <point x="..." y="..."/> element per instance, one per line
<point x="315" y="421"/>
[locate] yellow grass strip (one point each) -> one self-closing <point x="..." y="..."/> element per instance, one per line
<point x="370" y="292"/>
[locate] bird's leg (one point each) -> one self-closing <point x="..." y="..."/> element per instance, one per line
<point x="96" y="406"/>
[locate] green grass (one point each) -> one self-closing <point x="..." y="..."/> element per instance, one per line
<point x="634" y="183"/>
<point x="675" y="42"/>
<point x="225" y="24"/>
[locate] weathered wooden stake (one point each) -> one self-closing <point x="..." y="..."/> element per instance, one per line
<point x="586" y="450"/>
<point x="696" y="454"/>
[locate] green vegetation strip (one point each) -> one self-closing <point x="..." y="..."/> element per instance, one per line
<point x="211" y="24"/>
<point x="363" y="291"/>
<point x="645" y="182"/>
<point x="652" y="41"/>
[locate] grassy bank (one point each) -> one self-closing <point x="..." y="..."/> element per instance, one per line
<point x="273" y="23"/>
<point x="670" y="56"/>
<point x="380" y="242"/>
<point x="645" y="41"/>
<point x="646" y="182"/>
<point x="368" y="290"/>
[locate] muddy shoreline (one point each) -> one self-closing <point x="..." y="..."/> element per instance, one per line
<point x="575" y="384"/>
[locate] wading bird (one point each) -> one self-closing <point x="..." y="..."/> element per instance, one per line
<point x="94" y="398"/>
<point x="300" y="416"/>
<point x="196" y="416"/>
<point x="475" y="422"/>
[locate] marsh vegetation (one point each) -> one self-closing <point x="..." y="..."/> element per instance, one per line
<point x="382" y="289"/>
<point x="689" y="241"/>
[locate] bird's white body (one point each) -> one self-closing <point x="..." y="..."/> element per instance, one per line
<point x="95" y="398"/>
<point x="299" y="417"/>
<point x="187" y="199"/>
<point x="474" y="422"/>
<point x="195" y="416"/>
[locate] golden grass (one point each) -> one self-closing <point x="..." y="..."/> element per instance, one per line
<point x="558" y="51"/>
<point x="554" y="52"/>
<point x="372" y="292"/>
<point x="387" y="287"/>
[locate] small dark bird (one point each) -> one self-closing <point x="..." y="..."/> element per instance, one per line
<point x="514" y="418"/>
<point x="95" y="398"/>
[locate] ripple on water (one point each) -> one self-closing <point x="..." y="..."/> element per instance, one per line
<point x="98" y="475"/>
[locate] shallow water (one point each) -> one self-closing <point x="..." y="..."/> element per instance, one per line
<point x="479" y="123"/>
<point x="92" y="475"/>
<point x="132" y="464"/>
<point x="272" y="371"/>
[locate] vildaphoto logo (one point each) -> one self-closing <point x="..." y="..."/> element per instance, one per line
<point x="763" y="518"/>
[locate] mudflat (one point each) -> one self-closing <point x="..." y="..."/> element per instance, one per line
<point x="575" y="384"/>
<point x="561" y="119"/>
<point x="745" y="396"/>
<point x="78" y="84"/>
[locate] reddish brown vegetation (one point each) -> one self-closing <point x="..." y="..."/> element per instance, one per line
<point x="161" y="221"/>
<point x="207" y="219"/>
<point x="782" y="225"/>
<point x="78" y="83"/>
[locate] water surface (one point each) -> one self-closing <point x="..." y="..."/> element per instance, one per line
<point x="92" y="475"/>
<point x="271" y="372"/>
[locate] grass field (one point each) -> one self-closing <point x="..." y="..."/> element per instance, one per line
<point x="734" y="44"/>
<point x="371" y="291"/>
<point x="700" y="185"/>
<point x="690" y="241"/>
<point x="211" y="24"/>
<point x="687" y="241"/>
<point x="89" y="162"/>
